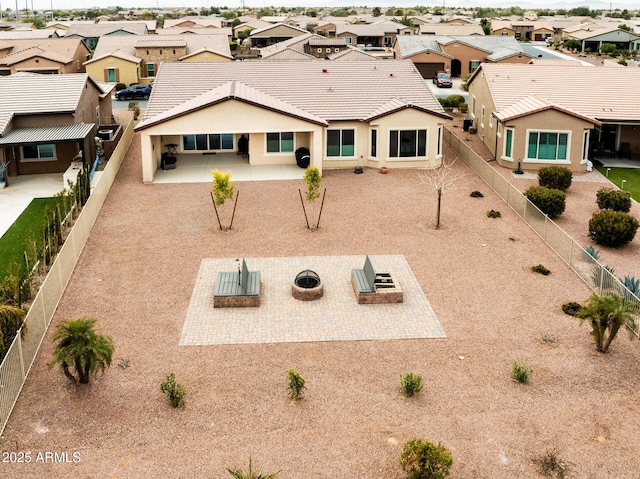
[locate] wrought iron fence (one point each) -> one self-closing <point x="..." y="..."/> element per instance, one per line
<point x="597" y="276"/>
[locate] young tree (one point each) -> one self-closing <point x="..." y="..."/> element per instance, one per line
<point x="607" y="314"/>
<point x="314" y="179"/>
<point x="572" y="44"/>
<point x="223" y="190"/>
<point x="80" y="351"/>
<point x="441" y="179"/>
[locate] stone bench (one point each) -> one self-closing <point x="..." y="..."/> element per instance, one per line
<point x="375" y="288"/>
<point x="237" y="289"/>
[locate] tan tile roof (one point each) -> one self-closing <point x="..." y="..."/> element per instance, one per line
<point x="194" y="31"/>
<point x="32" y="52"/>
<point x="127" y="43"/>
<point x="532" y="104"/>
<point x="160" y="42"/>
<point x="106" y="28"/>
<point x="602" y="93"/>
<point x="328" y="90"/>
<point x="117" y="54"/>
<point x="62" y="47"/>
<point x="28" y="34"/>
<point x="290" y="54"/>
<point x="353" y="54"/>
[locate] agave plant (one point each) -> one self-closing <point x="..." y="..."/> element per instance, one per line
<point x="590" y="254"/>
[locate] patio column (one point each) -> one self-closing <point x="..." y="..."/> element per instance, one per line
<point x="149" y="165"/>
<point x="317" y="148"/>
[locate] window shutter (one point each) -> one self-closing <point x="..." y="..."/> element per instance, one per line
<point x="106" y="74"/>
<point x="117" y="74"/>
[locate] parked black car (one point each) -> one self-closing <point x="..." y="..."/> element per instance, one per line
<point x="134" y="92"/>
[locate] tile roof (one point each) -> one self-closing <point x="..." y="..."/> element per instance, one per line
<point x="327" y="90"/>
<point x="594" y="92"/>
<point x="61" y="48"/>
<point x="258" y="33"/>
<point x="451" y="29"/>
<point x="106" y="28"/>
<point x="353" y="54"/>
<point x="532" y="104"/>
<point x="55" y="94"/>
<point x="194" y="31"/>
<point x="117" y="54"/>
<point x="496" y="47"/>
<point x="40" y="34"/>
<point x="378" y="29"/>
<point x="128" y="43"/>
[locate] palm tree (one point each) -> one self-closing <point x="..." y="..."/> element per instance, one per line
<point x="11" y="320"/>
<point x="607" y="314"/>
<point x="81" y="350"/>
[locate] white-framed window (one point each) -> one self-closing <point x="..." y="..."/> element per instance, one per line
<point x="341" y="143"/>
<point x="439" y="146"/>
<point x="39" y="153"/>
<point x="543" y="145"/>
<point x="499" y="129"/>
<point x="490" y="121"/>
<point x="207" y="142"/>
<point x="473" y="65"/>
<point x="407" y="143"/>
<point x="473" y="106"/>
<point x="281" y="142"/>
<point x="507" y="149"/>
<point x="328" y="50"/>
<point x="347" y="40"/>
<point x="586" y="136"/>
<point x="151" y="69"/>
<point x="319" y="50"/>
<point x="482" y="116"/>
<point x="374" y="143"/>
<point x="336" y="50"/>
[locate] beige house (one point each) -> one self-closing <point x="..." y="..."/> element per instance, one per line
<point x="523" y="30"/>
<point x="45" y="132"/>
<point x="136" y="59"/>
<point x="347" y="114"/>
<point x="263" y="37"/>
<point x="458" y="55"/>
<point x="544" y="114"/>
<point x="450" y="29"/>
<point x="55" y="55"/>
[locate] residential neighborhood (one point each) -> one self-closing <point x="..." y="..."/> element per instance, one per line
<point x="319" y="241"/>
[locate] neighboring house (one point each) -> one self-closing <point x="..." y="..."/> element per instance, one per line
<point x="198" y="22"/>
<point x="196" y="31"/>
<point x="523" y="30"/>
<point x="29" y="34"/>
<point x="56" y="55"/>
<point x="450" y="29"/>
<point x="543" y="114"/>
<point x="381" y="34"/>
<point x="458" y="55"/>
<point x="53" y="123"/>
<point x="348" y="114"/>
<point x="245" y="28"/>
<point x="593" y="40"/>
<point x="91" y="33"/>
<point x="305" y="47"/>
<point x="136" y="58"/>
<point x="328" y="29"/>
<point x="263" y="37"/>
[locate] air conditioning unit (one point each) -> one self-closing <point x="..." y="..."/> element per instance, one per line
<point x="473" y="130"/>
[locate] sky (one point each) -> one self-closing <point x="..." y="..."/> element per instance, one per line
<point x="133" y="4"/>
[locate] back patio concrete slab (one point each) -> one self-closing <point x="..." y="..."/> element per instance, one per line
<point x="335" y="317"/>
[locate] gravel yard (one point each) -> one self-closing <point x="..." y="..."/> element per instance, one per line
<point x="137" y="274"/>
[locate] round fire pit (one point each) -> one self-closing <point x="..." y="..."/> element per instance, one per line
<point x="307" y="286"/>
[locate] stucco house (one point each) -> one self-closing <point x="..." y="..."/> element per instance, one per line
<point x="44" y="131"/>
<point x="523" y="30"/>
<point x="592" y="39"/>
<point x="381" y="34"/>
<point x="263" y="37"/>
<point x="347" y="114"/>
<point x="563" y="114"/>
<point x="136" y="59"/>
<point x="458" y="55"/>
<point x="54" y="55"/>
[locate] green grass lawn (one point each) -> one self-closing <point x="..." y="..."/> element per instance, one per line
<point x="28" y="225"/>
<point x="630" y="175"/>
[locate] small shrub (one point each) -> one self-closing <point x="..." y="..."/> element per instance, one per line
<point x="493" y="214"/>
<point x="612" y="228"/>
<point x="520" y="372"/>
<point x="551" y="202"/>
<point x="476" y="194"/>
<point x="120" y="86"/>
<point x="632" y="284"/>
<point x="591" y="254"/>
<point x="250" y="473"/>
<point x="541" y="270"/>
<point x="611" y="199"/>
<point x="411" y="383"/>
<point x="602" y="276"/>
<point x="549" y="339"/>
<point x="555" y="177"/>
<point x="296" y="385"/>
<point x="571" y="308"/>
<point x="173" y="391"/>
<point x="550" y="464"/>
<point x="134" y="106"/>
<point x="425" y="460"/>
